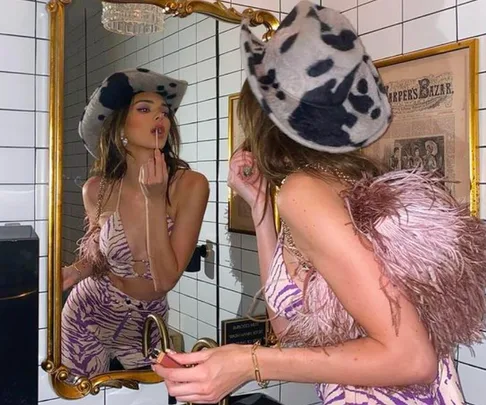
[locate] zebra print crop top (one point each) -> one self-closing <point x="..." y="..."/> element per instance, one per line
<point x="113" y="245"/>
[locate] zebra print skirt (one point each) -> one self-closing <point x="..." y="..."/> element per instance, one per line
<point x="100" y="322"/>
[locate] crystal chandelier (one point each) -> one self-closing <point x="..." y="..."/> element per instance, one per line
<point x="132" y="19"/>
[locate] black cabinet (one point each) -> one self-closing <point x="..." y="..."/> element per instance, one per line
<point x="19" y="315"/>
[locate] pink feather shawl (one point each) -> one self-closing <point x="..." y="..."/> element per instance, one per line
<point x="427" y="244"/>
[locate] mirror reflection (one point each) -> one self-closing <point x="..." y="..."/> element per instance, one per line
<point x="133" y="206"/>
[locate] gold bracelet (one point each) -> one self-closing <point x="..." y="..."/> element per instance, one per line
<point x="258" y="377"/>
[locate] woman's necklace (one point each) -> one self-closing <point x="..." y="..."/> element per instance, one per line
<point x="288" y="240"/>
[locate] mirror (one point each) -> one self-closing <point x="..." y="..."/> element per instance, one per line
<point x="83" y="53"/>
<point x="102" y="319"/>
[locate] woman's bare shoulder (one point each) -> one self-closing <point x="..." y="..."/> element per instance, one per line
<point x="91" y="188"/>
<point x="189" y="182"/>
<point x="301" y="186"/>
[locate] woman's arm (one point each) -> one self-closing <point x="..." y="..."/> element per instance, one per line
<point x="322" y="230"/>
<point x="266" y="237"/>
<point x="74" y="273"/>
<point x="170" y="255"/>
<point x="253" y="190"/>
<point x="265" y="234"/>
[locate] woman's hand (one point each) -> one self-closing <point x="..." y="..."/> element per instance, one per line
<point x="245" y="179"/>
<point x="215" y="374"/>
<point x="154" y="177"/>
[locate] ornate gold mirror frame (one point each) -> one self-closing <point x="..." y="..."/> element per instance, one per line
<point x="52" y="364"/>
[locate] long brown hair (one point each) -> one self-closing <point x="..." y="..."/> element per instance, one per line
<point x="277" y="155"/>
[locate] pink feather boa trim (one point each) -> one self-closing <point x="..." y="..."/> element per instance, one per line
<point x="427" y="245"/>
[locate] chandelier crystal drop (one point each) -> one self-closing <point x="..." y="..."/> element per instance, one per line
<point x="132" y="19"/>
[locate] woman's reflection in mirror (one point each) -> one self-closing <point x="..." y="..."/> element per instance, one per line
<point x="144" y="210"/>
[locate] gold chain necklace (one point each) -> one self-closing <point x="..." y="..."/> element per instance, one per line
<point x="333" y="172"/>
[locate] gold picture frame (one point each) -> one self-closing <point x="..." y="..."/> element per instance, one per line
<point x="56" y="10"/>
<point x="434" y="98"/>
<point x="239" y="213"/>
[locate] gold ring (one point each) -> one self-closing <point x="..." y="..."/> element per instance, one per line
<point x="247" y="171"/>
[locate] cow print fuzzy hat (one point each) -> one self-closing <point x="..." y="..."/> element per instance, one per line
<point x="315" y="81"/>
<point x="117" y="91"/>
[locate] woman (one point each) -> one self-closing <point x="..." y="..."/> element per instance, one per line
<point x="374" y="279"/>
<point x="144" y="209"/>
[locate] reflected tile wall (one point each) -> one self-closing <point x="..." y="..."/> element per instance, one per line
<point x="23" y="104"/>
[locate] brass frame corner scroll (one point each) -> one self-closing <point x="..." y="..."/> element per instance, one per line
<point x="52" y="364"/>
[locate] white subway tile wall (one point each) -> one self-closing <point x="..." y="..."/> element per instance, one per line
<point x="186" y="50"/>
<point x="388" y="28"/>
<point x="23" y="140"/>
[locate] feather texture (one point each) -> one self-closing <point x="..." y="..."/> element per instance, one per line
<point x="427" y="245"/>
<point x="89" y="251"/>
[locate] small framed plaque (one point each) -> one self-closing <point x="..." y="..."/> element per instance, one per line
<point x="245" y="331"/>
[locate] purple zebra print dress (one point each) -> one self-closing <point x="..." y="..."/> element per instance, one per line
<point x="285" y="298"/>
<point x="100" y="322"/>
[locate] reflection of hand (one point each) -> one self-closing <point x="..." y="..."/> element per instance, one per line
<point x="245" y="179"/>
<point x="211" y="379"/>
<point x="153" y="177"/>
<point x="70" y="276"/>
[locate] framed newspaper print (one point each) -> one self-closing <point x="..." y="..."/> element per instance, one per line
<point x="433" y="94"/>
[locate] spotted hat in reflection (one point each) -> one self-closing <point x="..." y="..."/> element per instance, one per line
<point x="117" y="91"/>
<point x="316" y="82"/>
